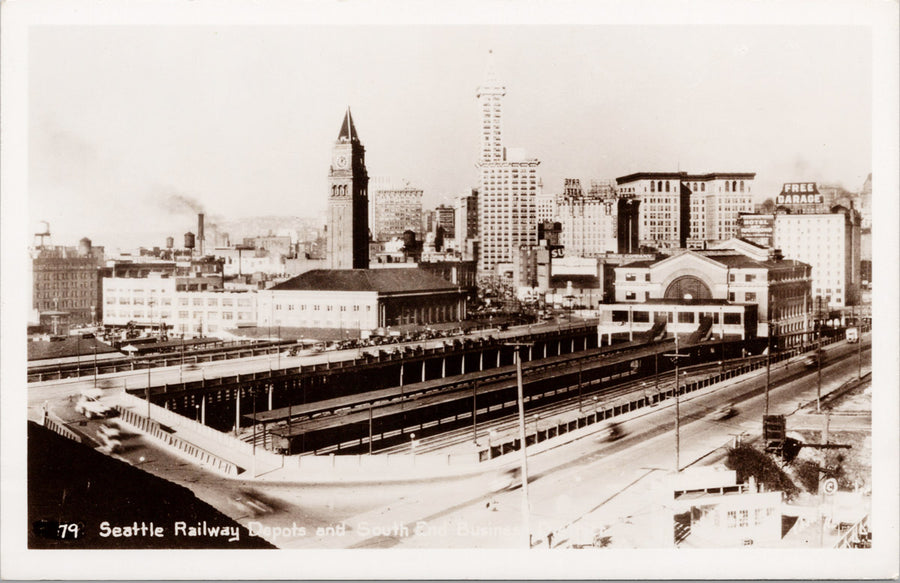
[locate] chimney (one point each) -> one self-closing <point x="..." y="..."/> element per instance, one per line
<point x="200" y="236"/>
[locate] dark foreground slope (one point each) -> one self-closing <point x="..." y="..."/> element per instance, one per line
<point x="77" y="495"/>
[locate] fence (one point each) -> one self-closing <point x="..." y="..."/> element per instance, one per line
<point x="385" y="461"/>
<point x="154" y="429"/>
<point x="608" y="412"/>
<point x="857" y="536"/>
<point x="58" y="427"/>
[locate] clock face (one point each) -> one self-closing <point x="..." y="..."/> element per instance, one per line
<point x="341" y="161"/>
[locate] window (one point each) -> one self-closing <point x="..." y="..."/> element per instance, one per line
<point x="640" y="316"/>
<point x="198" y="301"/>
<point x="732" y="519"/>
<point x="619" y="316"/>
<point x="227" y="316"/>
<point x="212" y="302"/>
<point x="630" y="277"/>
<point x="646" y="277"/>
<point x="749" y="296"/>
<point x="630" y="295"/>
<point x="731" y="277"/>
<point x="685" y="317"/>
<point x="730" y="296"/>
<point x="744" y="518"/>
<point x="750" y="277"/>
<point x="182" y="301"/>
<point x="732" y="318"/>
<point x="183" y="314"/>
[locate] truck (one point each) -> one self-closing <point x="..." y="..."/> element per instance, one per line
<point x="852" y="335"/>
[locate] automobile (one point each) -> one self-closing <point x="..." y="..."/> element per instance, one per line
<point x="613" y="432"/>
<point x="852" y="335"/>
<point x="110" y="438"/>
<point x="90" y="406"/>
<point x="815" y="359"/>
<point x="725" y="412"/>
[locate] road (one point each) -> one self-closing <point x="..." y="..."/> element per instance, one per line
<point x="38" y="392"/>
<point x="583" y="483"/>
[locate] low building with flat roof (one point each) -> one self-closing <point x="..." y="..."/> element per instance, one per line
<point x="362" y="299"/>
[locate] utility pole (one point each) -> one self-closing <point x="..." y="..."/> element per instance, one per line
<point x="526" y="514"/>
<point x="579" y="386"/>
<point x="676" y="356"/>
<point x="768" y="368"/>
<point x="474" y="412"/>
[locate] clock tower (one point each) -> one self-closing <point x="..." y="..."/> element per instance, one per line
<point x="348" y="201"/>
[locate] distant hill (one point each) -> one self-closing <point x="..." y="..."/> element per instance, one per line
<point x="306" y="228"/>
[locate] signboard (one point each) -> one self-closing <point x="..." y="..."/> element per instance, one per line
<point x="759" y="229"/>
<point x="774" y="432"/>
<point x="799" y="193"/>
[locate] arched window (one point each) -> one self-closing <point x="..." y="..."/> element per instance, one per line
<point x="703" y="187"/>
<point x="652" y="186"/>
<point x="726" y="186"/>
<point x="742" y="186"/>
<point x="734" y="186"/>
<point x="659" y="186"/>
<point x="667" y="186"/>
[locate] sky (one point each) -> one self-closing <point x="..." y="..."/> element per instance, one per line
<point x="133" y="129"/>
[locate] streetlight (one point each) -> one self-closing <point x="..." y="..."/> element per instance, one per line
<point x="579" y="386"/>
<point x="412" y="444"/>
<point x="521" y="402"/>
<point x="676" y="356"/>
<point x="474" y="411"/>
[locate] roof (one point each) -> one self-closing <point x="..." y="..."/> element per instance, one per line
<point x="579" y="281"/>
<point x="643" y="263"/>
<point x="385" y="281"/>
<point x="348" y="130"/>
<point x="685" y="177"/>
<point x="71" y="346"/>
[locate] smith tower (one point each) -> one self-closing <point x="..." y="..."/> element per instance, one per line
<point x="348" y="201"/>
<point x="507" y="210"/>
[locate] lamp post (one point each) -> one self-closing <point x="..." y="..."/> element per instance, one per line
<point x="474" y="412"/>
<point x="579" y="386"/>
<point x="521" y="402"/>
<point x="676" y="356"/>
<point x="768" y="365"/>
<point x="95" y="365"/>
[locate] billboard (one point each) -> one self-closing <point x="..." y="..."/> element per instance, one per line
<point x="759" y="229"/>
<point x="799" y="193"/>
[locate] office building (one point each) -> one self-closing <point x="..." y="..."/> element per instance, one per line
<point x="508" y="185"/>
<point x="396" y="208"/>
<point x="681" y="210"/>
<point x="588" y="220"/>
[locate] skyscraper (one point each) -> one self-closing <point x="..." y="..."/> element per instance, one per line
<point x="348" y="201"/>
<point x="508" y="184"/>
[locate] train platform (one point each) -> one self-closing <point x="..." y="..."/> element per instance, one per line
<point x="217" y="450"/>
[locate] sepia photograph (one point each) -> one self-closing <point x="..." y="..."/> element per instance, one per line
<point x="364" y="293"/>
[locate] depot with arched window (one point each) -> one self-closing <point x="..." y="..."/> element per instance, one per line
<point x="737" y="273"/>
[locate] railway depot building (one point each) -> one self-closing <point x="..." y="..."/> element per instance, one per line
<point x="779" y="288"/>
<point x="361" y="299"/>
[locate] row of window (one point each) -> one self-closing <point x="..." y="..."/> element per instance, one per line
<point x="317" y="307"/>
